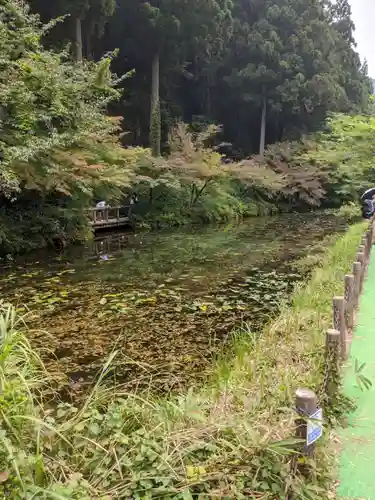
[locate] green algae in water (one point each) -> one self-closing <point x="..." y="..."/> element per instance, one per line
<point x="167" y="301"/>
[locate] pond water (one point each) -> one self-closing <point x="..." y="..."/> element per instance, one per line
<point x="165" y="301"/>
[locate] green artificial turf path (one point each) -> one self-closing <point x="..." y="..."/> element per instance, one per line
<point x="357" y="459"/>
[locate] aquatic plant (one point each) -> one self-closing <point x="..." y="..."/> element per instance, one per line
<point x="192" y="286"/>
<point x="230" y="439"/>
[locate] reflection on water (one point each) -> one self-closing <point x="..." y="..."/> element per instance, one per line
<point x="166" y="301"/>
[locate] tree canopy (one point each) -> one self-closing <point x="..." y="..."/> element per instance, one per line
<point x="59" y="148"/>
<point x="256" y="72"/>
<point x="225" y="61"/>
<point x="52" y="110"/>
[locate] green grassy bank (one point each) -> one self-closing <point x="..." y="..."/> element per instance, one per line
<point x="228" y="440"/>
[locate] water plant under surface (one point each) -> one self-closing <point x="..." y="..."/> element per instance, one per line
<point x="168" y="301"/>
<point x="230" y="439"/>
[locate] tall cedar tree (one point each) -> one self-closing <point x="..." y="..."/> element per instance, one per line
<point x="265" y="70"/>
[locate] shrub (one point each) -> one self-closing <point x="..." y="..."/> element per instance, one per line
<point x="192" y="184"/>
<point x="58" y="147"/>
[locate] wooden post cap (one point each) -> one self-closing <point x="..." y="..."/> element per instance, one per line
<point x="338" y="299"/>
<point x="357" y="267"/>
<point x="338" y="302"/>
<point x="360" y="256"/>
<point x="333" y="335"/>
<point x="306" y="401"/>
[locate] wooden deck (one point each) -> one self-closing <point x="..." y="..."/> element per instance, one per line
<point x="103" y="218"/>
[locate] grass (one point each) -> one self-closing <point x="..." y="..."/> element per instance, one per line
<point x="231" y="439"/>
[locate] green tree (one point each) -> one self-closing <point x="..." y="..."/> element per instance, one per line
<point x="353" y="75"/>
<point x="285" y="60"/>
<point x="95" y="19"/>
<point x="84" y="19"/>
<point x="267" y="71"/>
<point x="58" y="146"/>
<point x="346" y="153"/>
<point x="164" y="37"/>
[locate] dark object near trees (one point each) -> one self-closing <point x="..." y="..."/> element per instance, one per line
<point x="59" y="243"/>
<point x="367" y="195"/>
<point x="367" y="208"/>
<point x="134" y="199"/>
<point x="225" y="160"/>
<point x="366" y="214"/>
<point x="368" y="203"/>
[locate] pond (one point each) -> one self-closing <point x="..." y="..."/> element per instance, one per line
<point x="166" y="302"/>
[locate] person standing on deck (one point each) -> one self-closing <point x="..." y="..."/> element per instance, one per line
<point x="102" y="205"/>
<point x="133" y="199"/>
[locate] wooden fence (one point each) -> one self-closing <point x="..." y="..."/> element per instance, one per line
<point x="108" y="217"/>
<point x="338" y="342"/>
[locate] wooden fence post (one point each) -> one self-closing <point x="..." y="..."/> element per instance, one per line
<point x="371" y="229"/>
<point x="332" y="375"/>
<point x="357" y="270"/>
<point x="363" y="247"/>
<point x="369" y="240"/>
<point x="339" y="323"/>
<point x="361" y="259"/>
<point x="349" y="301"/>
<point x="306" y="405"/>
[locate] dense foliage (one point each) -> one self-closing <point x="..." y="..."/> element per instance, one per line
<point x="218" y="61"/>
<point x="346" y="154"/>
<point x="328" y="168"/>
<point x="58" y="147"/>
<point x="222" y="61"/>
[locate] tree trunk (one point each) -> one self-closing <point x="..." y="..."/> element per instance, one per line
<point x="208" y="95"/>
<point x="138" y="132"/>
<point x="155" y="120"/>
<point x="78" y="28"/>
<point x="263" y="125"/>
<point x="89" y="55"/>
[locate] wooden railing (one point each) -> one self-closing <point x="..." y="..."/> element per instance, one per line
<point x="338" y="340"/>
<point x="109" y="216"/>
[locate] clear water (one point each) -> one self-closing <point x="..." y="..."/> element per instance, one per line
<point x="167" y="302"/>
